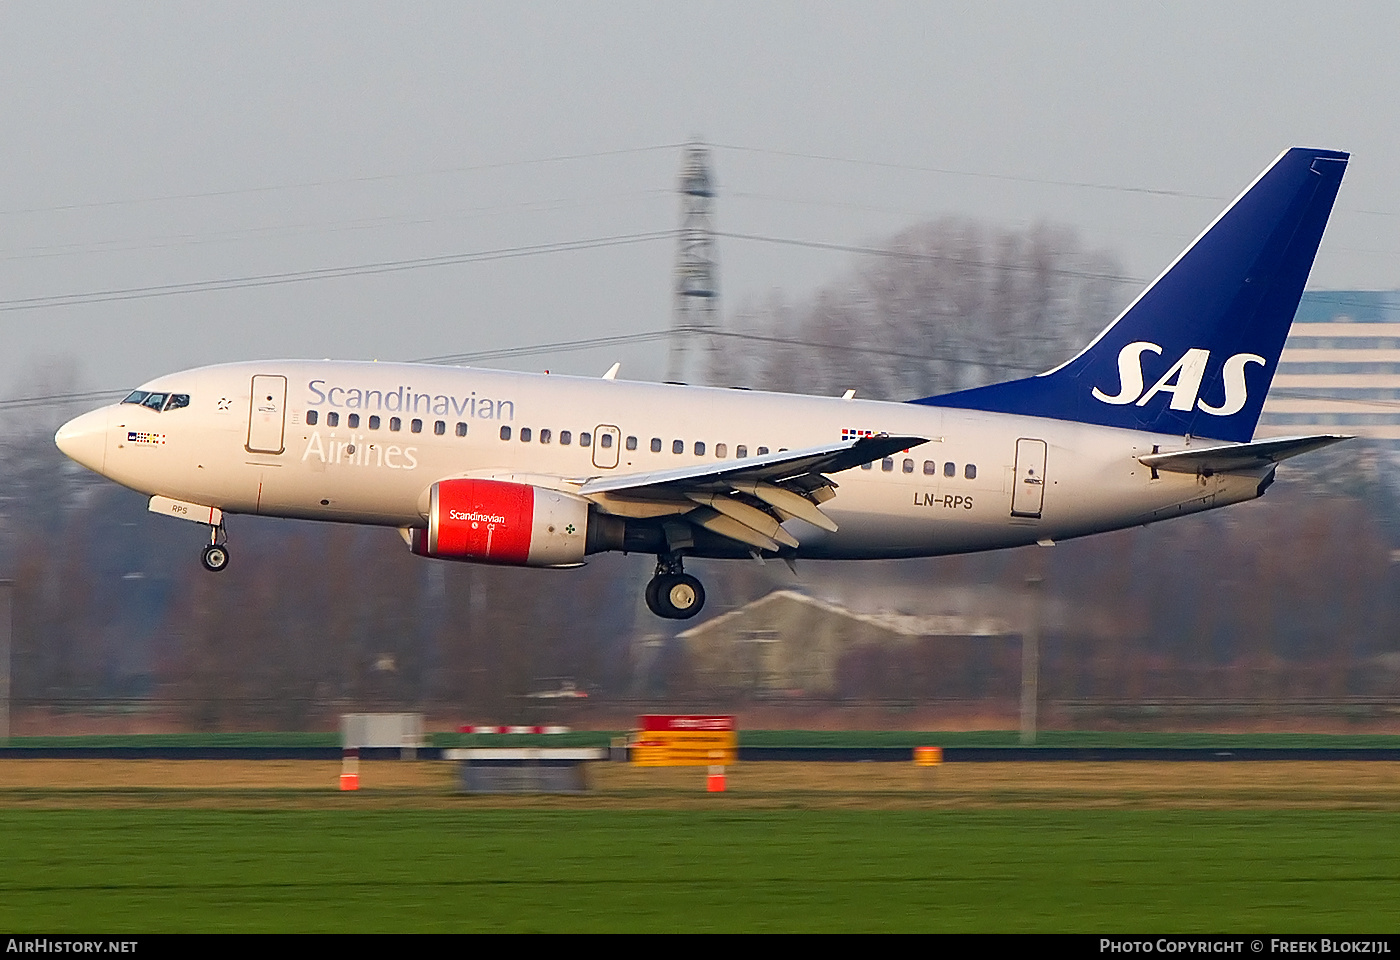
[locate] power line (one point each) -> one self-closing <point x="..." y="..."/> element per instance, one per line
<point x="561" y="346"/>
<point x="60" y="399"/>
<point x="418" y="263"/>
<point x="624" y="151"/>
<point x="569" y="346"/>
<point x="373" y="178"/>
<point x="1004" y="177"/>
<point x="503" y="253"/>
<point x="954" y="172"/>
<point x="186" y="240"/>
<point x="929" y="257"/>
<point x="326" y="273"/>
<point x="650" y="336"/>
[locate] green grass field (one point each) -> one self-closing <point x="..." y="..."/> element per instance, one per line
<point x="1099" y="870"/>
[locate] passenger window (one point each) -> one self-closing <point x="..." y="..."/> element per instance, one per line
<point x="908" y="466"/>
<point x="741" y="451"/>
<point x="374" y="421"/>
<point x="930" y="468"/>
<point x="970" y="471"/>
<point x="763" y="451"/>
<point x="524" y="434"/>
<point x="461" y="429"/>
<point x="352" y="420"/>
<point x="311" y="418"/>
<point x="868" y="465"/>
<point x="505" y="433"/>
<point x="546" y="435"/>
<point x="655" y="444"/>
<point x="950" y="469"/>
<point x="416" y="426"/>
<point x="678" y="446"/>
<point x="332" y="419"/>
<point x="177" y="400"/>
<point x="887" y="464"/>
<point x="565" y="437"/>
<point x="699" y="448"/>
<point x="440" y="427"/>
<point x="585" y="439"/>
<point x="605" y="441"/>
<point x="631" y="443"/>
<point x="720" y="450"/>
<point x="395" y="423"/>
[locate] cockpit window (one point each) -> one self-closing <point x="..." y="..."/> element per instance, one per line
<point x="158" y="401"/>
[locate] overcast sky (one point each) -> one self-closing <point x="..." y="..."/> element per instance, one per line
<point x="154" y="144"/>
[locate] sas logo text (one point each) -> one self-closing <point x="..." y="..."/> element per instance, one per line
<point x="1182" y="380"/>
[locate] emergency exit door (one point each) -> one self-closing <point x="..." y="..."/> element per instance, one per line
<point x="1028" y="496"/>
<point x="265" y="414"/>
<point x="606" y="441"/>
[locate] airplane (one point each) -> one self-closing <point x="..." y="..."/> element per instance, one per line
<point x="1153" y="419"/>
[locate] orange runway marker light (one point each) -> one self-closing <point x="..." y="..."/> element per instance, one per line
<point x="928" y="756"/>
<point x="350" y="770"/>
<point x="715" y="782"/>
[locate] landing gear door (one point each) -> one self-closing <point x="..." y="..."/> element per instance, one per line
<point x="265" y="414"/>
<point x="1028" y="496"/>
<point x="605" y="446"/>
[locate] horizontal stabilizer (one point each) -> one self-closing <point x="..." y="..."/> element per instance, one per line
<point x="1238" y="456"/>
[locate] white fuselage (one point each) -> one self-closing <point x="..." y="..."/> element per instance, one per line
<point x="982" y="480"/>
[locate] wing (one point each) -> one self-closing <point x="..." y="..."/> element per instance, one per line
<point x="745" y="500"/>
<point x="1238" y="456"/>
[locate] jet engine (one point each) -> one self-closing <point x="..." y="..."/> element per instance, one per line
<point x="494" y="521"/>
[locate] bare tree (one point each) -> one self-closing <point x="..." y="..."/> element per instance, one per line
<point x="949" y="304"/>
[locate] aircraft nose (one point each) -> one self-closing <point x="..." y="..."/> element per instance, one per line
<point x="84" y="439"/>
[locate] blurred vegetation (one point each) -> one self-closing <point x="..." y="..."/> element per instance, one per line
<point x="1289" y="598"/>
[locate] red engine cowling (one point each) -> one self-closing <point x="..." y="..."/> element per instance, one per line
<point x="493" y="521"/>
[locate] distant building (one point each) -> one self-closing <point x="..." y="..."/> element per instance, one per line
<point x="1340" y="369"/>
<point x="788" y="644"/>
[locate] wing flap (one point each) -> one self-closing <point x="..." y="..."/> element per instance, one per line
<point x="794" y="504"/>
<point x="751" y="517"/>
<point x="782" y="485"/>
<point x="773" y="468"/>
<point x="726" y="526"/>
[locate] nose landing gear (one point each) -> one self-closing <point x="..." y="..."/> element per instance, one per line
<point x="215" y="556"/>
<point x="672" y="593"/>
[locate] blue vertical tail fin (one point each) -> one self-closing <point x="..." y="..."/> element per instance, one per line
<point x="1196" y="351"/>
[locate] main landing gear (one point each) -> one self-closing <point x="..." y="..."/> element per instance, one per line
<point x="672" y="593"/>
<point x="215" y="556"/>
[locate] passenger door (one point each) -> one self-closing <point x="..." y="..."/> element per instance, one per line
<point x="1028" y="496"/>
<point x="265" y="414"/>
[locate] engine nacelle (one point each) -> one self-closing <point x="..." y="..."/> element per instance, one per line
<point x="493" y="521"/>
